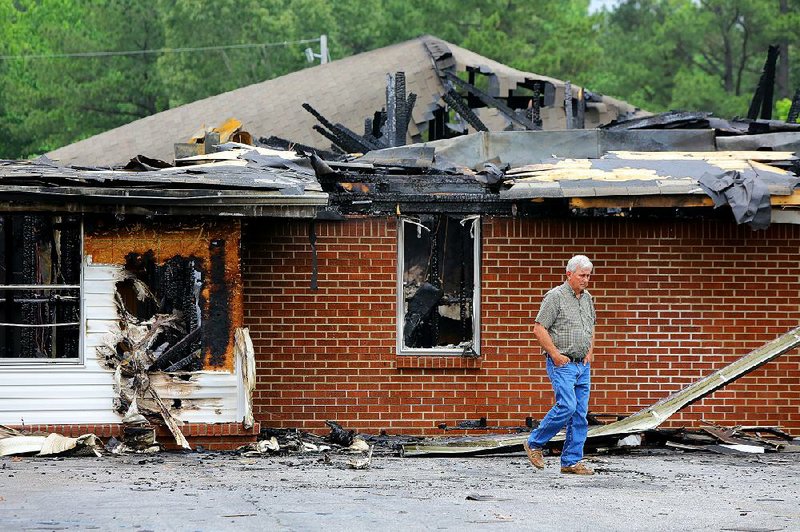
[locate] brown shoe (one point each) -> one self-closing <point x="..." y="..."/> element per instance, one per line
<point x="534" y="455"/>
<point x="577" y="469"/>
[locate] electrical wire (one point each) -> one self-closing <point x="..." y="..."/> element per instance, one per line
<point x="160" y="50"/>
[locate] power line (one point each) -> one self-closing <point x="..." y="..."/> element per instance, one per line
<point x="160" y="50"/>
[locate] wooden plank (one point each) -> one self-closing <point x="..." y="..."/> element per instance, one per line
<point x="792" y="200"/>
<point x="633" y="202"/>
<point x="665" y="201"/>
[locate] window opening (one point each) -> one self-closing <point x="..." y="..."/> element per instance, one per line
<point x="40" y="287"/>
<point x="438" y="292"/>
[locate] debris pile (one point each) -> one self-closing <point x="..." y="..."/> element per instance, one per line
<point x="727" y="440"/>
<point x="277" y="442"/>
<point x="14" y="442"/>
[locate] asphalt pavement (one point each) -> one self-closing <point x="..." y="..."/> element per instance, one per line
<point x="645" y="490"/>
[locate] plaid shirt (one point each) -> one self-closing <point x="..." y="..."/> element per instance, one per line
<point x="569" y="320"/>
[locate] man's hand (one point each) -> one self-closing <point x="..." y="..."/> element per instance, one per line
<point x="588" y="358"/>
<point x="560" y="360"/>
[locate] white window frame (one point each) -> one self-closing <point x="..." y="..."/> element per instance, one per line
<point x="402" y="350"/>
<point x="78" y="359"/>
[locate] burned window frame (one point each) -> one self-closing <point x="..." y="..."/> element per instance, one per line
<point x="473" y="224"/>
<point x="78" y="358"/>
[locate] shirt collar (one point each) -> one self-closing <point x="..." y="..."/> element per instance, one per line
<point x="568" y="289"/>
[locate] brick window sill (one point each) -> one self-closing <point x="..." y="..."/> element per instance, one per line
<point x="437" y="362"/>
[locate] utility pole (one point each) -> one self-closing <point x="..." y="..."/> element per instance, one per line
<point x="324" y="56"/>
<point x="323" y="50"/>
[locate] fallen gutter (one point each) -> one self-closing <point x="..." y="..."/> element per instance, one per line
<point x="644" y="420"/>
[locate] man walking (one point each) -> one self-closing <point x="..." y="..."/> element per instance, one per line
<point x="565" y="329"/>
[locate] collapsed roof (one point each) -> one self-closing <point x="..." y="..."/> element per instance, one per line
<point x="605" y="172"/>
<point x="344" y="91"/>
<point x="237" y="181"/>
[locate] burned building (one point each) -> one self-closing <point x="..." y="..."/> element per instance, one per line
<point x="123" y="295"/>
<point x="395" y="290"/>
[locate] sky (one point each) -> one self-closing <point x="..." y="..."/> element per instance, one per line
<point x="596" y="5"/>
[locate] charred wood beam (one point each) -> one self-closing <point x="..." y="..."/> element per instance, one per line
<point x="568" y="104"/>
<point x="536" y="110"/>
<point x="378" y="121"/>
<point x="398" y="110"/>
<point x="30" y="340"/>
<point x="278" y="142"/>
<point x="402" y="112"/>
<point x="762" y="99"/>
<point x="348" y="206"/>
<point x="344" y="138"/>
<point x="184" y="363"/>
<point x="507" y="111"/>
<point x="453" y="99"/>
<point x="364" y="145"/>
<point x="412" y="99"/>
<point x="794" y="110"/>
<point x="169" y="358"/>
<point x="436" y="129"/>
<point x="580" y="115"/>
<point x="435" y="278"/>
<point x="392" y="108"/>
<point x="336" y="142"/>
<point x="316" y="114"/>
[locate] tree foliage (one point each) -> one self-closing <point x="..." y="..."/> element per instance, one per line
<point x="657" y="54"/>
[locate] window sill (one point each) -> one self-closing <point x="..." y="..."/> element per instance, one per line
<point x="32" y="364"/>
<point x="437" y="362"/>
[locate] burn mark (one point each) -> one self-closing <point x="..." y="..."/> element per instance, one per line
<point x="312" y="238"/>
<point x="187" y="271"/>
<point x="216" y="332"/>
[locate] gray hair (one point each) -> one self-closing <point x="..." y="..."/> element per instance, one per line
<point x="579" y="261"/>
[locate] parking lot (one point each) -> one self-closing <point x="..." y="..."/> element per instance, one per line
<point x="646" y="490"/>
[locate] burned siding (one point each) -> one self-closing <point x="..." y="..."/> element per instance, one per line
<point x="190" y="270"/>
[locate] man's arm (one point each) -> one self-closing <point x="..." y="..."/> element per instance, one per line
<point x="547" y="344"/>
<point x="590" y="355"/>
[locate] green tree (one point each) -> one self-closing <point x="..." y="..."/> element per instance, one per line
<point x="51" y="100"/>
<point x="189" y="77"/>
<point x="657" y="54"/>
<point x="686" y="54"/>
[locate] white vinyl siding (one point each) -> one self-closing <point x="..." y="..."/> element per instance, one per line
<point x="84" y="393"/>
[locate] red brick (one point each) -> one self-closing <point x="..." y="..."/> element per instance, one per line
<point x="675" y="300"/>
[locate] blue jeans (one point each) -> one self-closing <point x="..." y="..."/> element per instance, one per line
<point x="571" y="384"/>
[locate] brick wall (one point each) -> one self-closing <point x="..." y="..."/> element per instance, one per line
<point x="675" y="300"/>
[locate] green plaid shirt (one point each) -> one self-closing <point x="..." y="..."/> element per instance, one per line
<point x="569" y="320"/>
